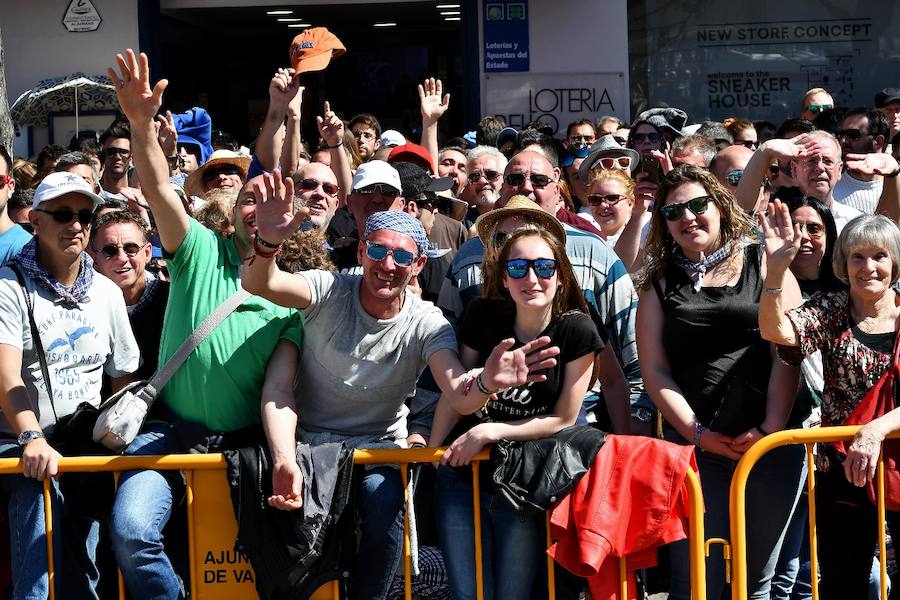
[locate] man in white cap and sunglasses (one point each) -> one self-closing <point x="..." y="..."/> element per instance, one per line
<point x="61" y="327"/>
<point x="362" y="334"/>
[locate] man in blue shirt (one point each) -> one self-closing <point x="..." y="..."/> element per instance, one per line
<point x="12" y="235"/>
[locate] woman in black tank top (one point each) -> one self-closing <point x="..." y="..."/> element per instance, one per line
<point x="708" y="370"/>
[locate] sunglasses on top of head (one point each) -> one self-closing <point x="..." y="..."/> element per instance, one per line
<point x="379" y="252"/>
<point x="67" y="215"/>
<point x="698" y="206"/>
<point x="517" y="268"/>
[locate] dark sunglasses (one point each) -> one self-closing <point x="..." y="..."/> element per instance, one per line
<point x="211" y="174"/>
<point x="386" y="191"/>
<point x="112" y="152"/>
<point x="112" y="250"/>
<point x="851" y="135"/>
<point x="611" y="199"/>
<point x="538" y="180"/>
<point x="622" y="141"/>
<point x="517" y="268"/>
<point x="817" y="108"/>
<point x="66" y="215"/>
<point x="640" y="138"/>
<point x="774" y="169"/>
<point x="734" y="177"/>
<point x="309" y="184"/>
<point x="488" y="174"/>
<point x="673" y="212"/>
<point x="573" y="153"/>
<point x="749" y="144"/>
<point x="379" y="252"/>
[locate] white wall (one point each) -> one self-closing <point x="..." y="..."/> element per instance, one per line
<point x="37" y="46"/>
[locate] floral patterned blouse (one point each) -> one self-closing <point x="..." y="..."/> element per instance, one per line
<point x="850" y="367"/>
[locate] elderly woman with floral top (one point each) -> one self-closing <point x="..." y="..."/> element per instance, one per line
<point x="856" y="331"/>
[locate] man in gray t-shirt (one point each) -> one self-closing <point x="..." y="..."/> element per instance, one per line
<point x="367" y="340"/>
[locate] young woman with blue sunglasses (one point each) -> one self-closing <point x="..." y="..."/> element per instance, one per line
<point x="529" y="291"/>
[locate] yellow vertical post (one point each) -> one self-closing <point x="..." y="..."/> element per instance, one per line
<point x="882" y="544"/>
<point x="407" y="575"/>
<point x="813" y="540"/>
<point x="121" y="579"/>
<point x="48" y="524"/>
<point x="192" y="546"/>
<point x="623" y="579"/>
<point x="551" y="568"/>
<point x="696" y="537"/>
<point x="476" y="505"/>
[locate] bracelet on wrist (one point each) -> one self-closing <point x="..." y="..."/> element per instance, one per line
<point x="894" y="174"/>
<point x="699" y="428"/>
<point x="479" y="382"/>
<point x="762" y="431"/>
<point x="776" y="290"/>
<point x="264" y="252"/>
<point x="265" y="244"/>
<point x="338" y="145"/>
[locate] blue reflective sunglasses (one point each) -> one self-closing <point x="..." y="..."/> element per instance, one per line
<point x="517" y="268"/>
<point x="379" y="252"/>
<point x="573" y="153"/>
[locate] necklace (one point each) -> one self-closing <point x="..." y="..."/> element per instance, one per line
<point x="703" y="265"/>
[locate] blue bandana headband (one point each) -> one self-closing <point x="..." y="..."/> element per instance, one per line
<point x="399" y="222"/>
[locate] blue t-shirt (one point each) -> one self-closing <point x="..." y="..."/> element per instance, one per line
<point x="11" y="242"/>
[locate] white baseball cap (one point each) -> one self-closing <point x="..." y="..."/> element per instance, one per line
<point x="55" y="185"/>
<point x="376" y="171"/>
<point x="392" y="138"/>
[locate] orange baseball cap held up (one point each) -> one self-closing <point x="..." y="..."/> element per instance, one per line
<point x="313" y="49"/>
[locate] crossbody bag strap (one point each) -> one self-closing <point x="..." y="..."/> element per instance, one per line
<point x="162" y="376"/>
<point x="35" y="337"/>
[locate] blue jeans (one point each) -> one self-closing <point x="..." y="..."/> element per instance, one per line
<point x="143" y="506"/>
<point x="379" y="496"/>
<point x="772" y="492"/>
<point x="74" y="546"/>
<point x="512" y="545"/>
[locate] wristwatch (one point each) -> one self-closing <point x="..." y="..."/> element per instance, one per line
<point x="642" y="414"/>
<point x="29" y="436"/>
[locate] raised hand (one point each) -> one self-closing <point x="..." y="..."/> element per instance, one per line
<point x="507" y="368"/>
<point x="798" y="147"/>
<point x="331" y="128"/>
<point x="875" y="163"/>
<point x="781" y="235"/>
<point x="432" y="104"/>
<point x="166" y="133"/>
<point x="275" y="216"/>
<point x="283" y="88"/>
<point x="137" y="100"/>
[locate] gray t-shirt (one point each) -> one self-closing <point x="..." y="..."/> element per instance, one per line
<point x="356" y="371"/>
<point x="80" y="343"/>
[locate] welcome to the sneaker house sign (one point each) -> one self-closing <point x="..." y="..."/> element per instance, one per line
<point x="81" y="15"/>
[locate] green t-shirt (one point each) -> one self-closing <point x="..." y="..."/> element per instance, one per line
<point x="219" y="384"/>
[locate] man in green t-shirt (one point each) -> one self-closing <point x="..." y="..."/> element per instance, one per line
<point x="216" y="393"/>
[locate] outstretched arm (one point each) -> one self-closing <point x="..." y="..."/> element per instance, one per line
<point x="433" y="107"/>
<point x="279" y="419"/>
<point x="283" y="88"/>
<point x="781" y="292"/>
<point x="140" y="104"/>
<point x="887" y="166"/>
<point x="747" y="192"/>
<point x="331" y="129"/>
<point x="275" y="222"/>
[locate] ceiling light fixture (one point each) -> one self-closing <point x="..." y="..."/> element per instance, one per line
<point x="289" y="19"/>
<point x="299" y="25"/>
<point x="439" y="6"/>
<point x="385" y="24"/>
<point x="452" y="19"/>
<point x="279" y="12"/>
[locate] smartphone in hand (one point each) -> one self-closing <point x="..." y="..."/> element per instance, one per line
<point x="650" y="165"/>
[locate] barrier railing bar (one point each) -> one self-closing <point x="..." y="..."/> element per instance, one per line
<point x="189" y="497"/>
<point x="695" y="537"/>
<point x="739" y="488"/>
<point x="813" y="539"/>
<point x="121" y="578"/>
<point x="623" y="578"/>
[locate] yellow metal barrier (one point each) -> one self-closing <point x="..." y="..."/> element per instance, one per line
<point x="218" y="572"/>
<point x="809" y="437"/>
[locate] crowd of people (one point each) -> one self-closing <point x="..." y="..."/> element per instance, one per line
<point x="706" y="283"/>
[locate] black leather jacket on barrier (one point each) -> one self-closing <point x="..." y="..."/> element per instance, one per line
<point x="533" y="475"/>
<point x="294" y="552"/>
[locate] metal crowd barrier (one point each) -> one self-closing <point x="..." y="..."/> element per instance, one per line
<point x="218" y="572"/>
<point x="808" y="437"/>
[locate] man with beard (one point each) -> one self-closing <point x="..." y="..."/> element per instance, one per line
<point x="315" y="186"/>
<point x="485" y="167"/>
<point x="863" y="131"/>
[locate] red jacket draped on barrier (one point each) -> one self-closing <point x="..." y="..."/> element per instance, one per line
<point x="633" y="500"/>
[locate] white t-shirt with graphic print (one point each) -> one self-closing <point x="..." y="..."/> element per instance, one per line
<point x="80" y="343"/>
